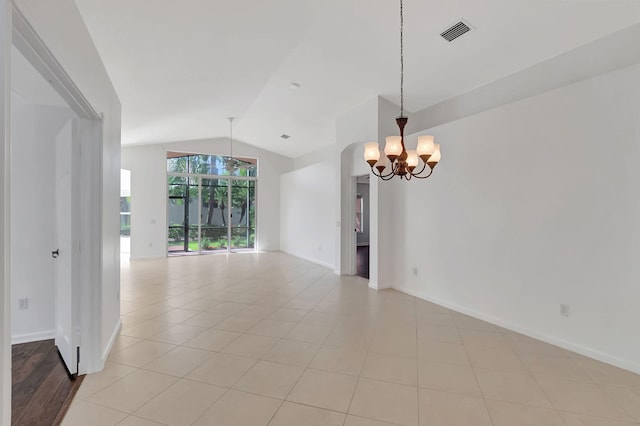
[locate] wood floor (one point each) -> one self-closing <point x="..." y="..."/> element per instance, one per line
<point x="362" y="261"/>
<point x="41" y="389"/>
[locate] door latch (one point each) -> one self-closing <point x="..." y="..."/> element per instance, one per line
<point x="55" y="253"/>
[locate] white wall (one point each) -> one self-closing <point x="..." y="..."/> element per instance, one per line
<point x="539" y="202"/>
<point x="5" y="251"/>
<point x="149" y="192"/>
<point x="307" y="207"/>
<point x="33" y="133"/>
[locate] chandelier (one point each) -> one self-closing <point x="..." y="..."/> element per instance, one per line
<point x="397" y="160"/>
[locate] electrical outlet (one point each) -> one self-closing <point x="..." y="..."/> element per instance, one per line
<point x="23" y="304"/>
<point x="565" y="310"/>
<point x="415" y="271"/>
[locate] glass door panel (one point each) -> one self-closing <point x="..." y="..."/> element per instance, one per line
<point x="243" y="224"/>
<point x="182" y="214"/>
<point x="214" y="215"/>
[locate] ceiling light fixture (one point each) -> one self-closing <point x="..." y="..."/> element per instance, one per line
<point x="397" y="160"/>
<point x="230" y="163"/>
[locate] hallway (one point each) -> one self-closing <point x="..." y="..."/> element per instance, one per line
<point x="269" y="339"/>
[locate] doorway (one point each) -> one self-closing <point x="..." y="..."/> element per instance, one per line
<point x="362" y="221"/>
<point x="45" y="241"/>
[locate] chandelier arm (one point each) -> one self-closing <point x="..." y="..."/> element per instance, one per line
<point x="424" y="166"/>
<point x="383" y="177"/>
<point x="424" y="177"/>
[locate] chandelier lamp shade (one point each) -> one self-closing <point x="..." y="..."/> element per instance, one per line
<point x="397" y="160"/>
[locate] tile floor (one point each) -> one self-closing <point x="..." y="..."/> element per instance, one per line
<point x="269" y="339"/>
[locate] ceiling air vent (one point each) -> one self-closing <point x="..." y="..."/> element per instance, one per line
<point x="455" y="31"/>
<point x="285" y="136"/>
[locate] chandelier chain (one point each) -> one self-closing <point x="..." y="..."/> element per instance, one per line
<point x="401" y="60"/>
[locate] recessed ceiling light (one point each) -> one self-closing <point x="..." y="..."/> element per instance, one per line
<point x="285" y="136"/>
<point x="295" y="85"/>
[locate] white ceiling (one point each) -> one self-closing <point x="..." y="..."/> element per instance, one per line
<point x="181" y="68"/>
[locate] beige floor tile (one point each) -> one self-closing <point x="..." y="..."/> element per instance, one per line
<point x="465" y="321"/>
<point x="221" y="369"/>
<point x="177" y="315"/>
<point x="179" y="361"/>
<point x="451" y="409"/>
<point x="290" y="315"/>
<point x="201" y="304"/>
<point x="258" y="311"/>
<point x="543" y="365"/>
<point x="483" y="338"/>
<point x="309" y="333"/>
<point x="437" y="333"/>
<point x="446" y="353"/>
<point x="395" y="343"/>
<point x="324" y="390"/>
<point x="321" y="318"/>
<point x="251" y="346"/>
<point x="92" y="383"/>
<point x="272" y="328"/>
<point x="384" y="401"/>
<point x="583" y="398"/>
<point x="389" y="368"/>
<point x="520" y="388"/>
<point x="508" y="414"/>
<point x="340" y="359"/>
<point x="145" y="329"/>
<point x="148" y="312"/>
<point x="269" y="379"/>
<point x="361" y="421"/>
<point x="291" y="414"/>
<point x="181" y="404"/>
<point x="359" y="335"/>
<point x="133" y="391"/>
<point x="177" y="334"/>
<point x="212" y="340"/>
<point x="238" y="323"/>
<point x="228" y="308"/>
<point x="141" y="353"/>
<point x="138" y="421"/>
<point x="237" y="408"/>
<point x="205" y="319"/>
<point x="626" y="398"/>
<point x="123" y="342"/>
<point x="609" y="375"/>
<point x="573" y="419"/>
<point x="497" y="359"/>
<point x="82" y="413"/>
<point x="292" y="353"/>
<point x="525" y="344"/>
<point x="448" y="377"/>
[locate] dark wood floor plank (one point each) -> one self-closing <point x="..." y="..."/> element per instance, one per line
<point x="42" y="389"/>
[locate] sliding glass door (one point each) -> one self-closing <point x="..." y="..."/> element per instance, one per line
<point x="214" y="235"/>
<point x="243" y="216"/>
<point x="211" y="207"/>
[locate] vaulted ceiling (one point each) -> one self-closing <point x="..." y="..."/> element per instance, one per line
<point x="182" y="67"/>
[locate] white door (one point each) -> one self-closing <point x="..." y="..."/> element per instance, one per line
<point x="65" y="252"/>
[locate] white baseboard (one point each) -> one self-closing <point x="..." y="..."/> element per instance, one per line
<point x="33" y="337"/>
<point x="573" y="347"/>
<point x="112" y="340"/>
<point x="309" y="259"/>
<point x="378" y="286"/>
